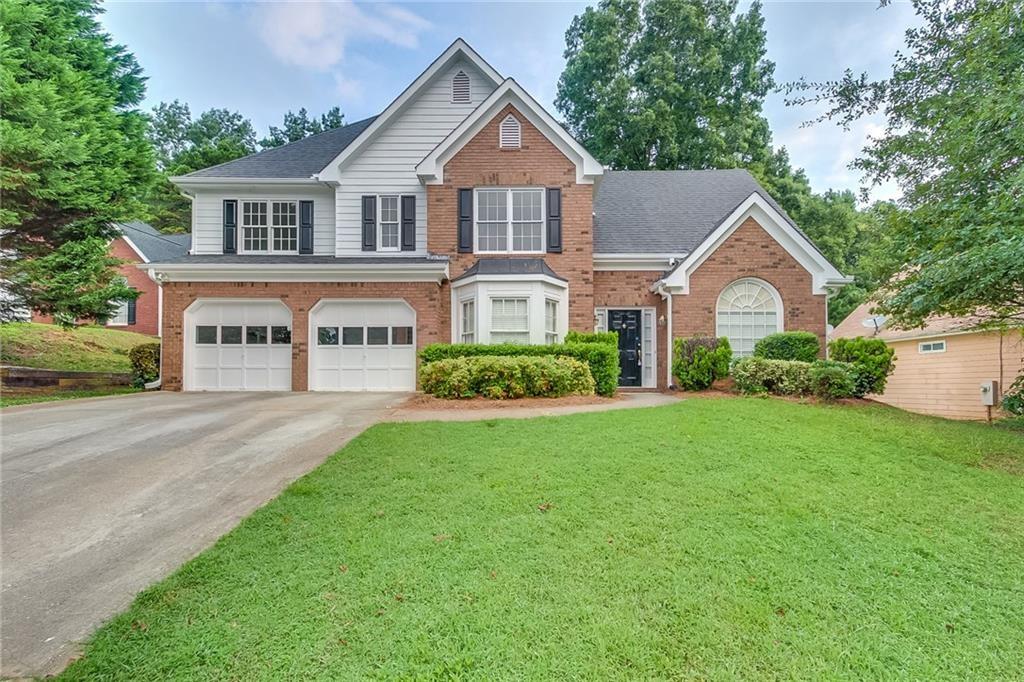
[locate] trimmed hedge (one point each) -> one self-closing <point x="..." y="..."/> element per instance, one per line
<point x="872" y="359"/>
<point x="602" y="358"/>
<point x="826" y="379"/>
<point x="145" y="359"/>
<point x="593" y="337"/>
<point x="502" y="377"/>
<point x="698" y="361"/>
<point x="802" y="346"/>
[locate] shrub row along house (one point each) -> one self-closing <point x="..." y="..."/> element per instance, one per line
<point x="465" y="212"/>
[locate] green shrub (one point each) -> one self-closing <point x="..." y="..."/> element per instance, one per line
<point x="1013" y="399"/>
<point x="801" y="346"/>
<point x="145" y="359"/>
<point x="781" y="377"/>
<point x="832" y="380"/>
<point x="601" y="358"/>
<point x="873" y="361"/>
<point x="698" y="360"/>
<point x="502" y="377"/>
<point x="593" y="337"/>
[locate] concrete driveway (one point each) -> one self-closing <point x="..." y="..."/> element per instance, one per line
<point x="101" y="498"/>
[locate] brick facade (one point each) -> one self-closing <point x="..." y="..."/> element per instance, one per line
<point x="750" y="252"/>
<point x="537" y="163"/>
<point x="147" y="305"/>
<point x="424" y="297"/>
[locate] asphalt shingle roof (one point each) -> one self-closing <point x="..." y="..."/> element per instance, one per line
<point x="509" y="266"/>
<point x="300" y="159"/>
<point x="155" y="245"/>
<point x="667" y="211"/>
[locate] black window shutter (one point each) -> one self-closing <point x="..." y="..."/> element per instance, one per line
<point x="465" y="221"/>
<point x="131" y="311"/>
<point x="305" y="227"/>
<point x="230" y="225"/>
<point x="554" y="220"/>
<point x="369" y="223"/>
<point x="408" y="222"/>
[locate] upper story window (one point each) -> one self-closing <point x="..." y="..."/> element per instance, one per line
<point x="748" y="311"/>
<point x="460" y="88"/>
<point x="270" y="227"/>
<point x="389" y="234"/>
<point x="519" y="230"/>
<point x="510" y="135"/>
<point x="932" y="346"/>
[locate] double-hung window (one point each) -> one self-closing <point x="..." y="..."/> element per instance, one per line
<point x="510" y="320"/>
<point x="388" y="225"/>
<point x="510" y="220"/>
<point x="270" y="227"/>
<point x="550" y="321"/>
<point x="467" y="332"/>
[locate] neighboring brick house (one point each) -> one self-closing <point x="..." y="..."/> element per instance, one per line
<point x="466" y="212"/>
<point x="139" y="243"/>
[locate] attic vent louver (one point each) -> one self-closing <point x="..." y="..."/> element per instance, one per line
<point x="460" y="88"/>
<point x="510" y="133"/>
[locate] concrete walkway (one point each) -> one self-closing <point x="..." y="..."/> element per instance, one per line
<point x="625" y="401"/>
<point x="101" y="498"/>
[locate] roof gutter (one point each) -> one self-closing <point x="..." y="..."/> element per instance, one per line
<point x="189" y="182"/>
<point x="297" y="272"/>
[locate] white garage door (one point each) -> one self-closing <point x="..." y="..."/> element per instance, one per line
<point x="238" y="346"/>
<point x="362" y="346"/>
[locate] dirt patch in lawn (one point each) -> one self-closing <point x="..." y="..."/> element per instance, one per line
<point x="1000" y="461"/>
<point x="422" y="401"/>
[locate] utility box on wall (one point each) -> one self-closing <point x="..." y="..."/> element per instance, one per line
<point x="990" y="393"/>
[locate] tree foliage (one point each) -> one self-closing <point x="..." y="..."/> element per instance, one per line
<point x="667" y="83"/>
<point x="300" y="125"/>
<point x="954" y="142"/>
<point x="182" y="145"/>
<point x="75" y="155"/>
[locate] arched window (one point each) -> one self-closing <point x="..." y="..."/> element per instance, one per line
<point x="510" y="133"/>
<point x="460" y="88"/>
<point x="748" y="310"/>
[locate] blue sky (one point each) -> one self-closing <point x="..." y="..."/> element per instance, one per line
<point x="264" y="58"/>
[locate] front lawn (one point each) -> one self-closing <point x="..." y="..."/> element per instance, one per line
<point x="87" y="349"/>
<point x="712" y="539"/>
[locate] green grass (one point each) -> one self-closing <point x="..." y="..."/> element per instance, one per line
<point x="89" y="349"/>
<point x="712" y="539"/>
<point x="13" y="399"/>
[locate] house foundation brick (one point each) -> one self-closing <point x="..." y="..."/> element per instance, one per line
<point x="424" y="297"/>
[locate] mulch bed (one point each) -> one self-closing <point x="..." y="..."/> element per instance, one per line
<point x="422" y="401"/>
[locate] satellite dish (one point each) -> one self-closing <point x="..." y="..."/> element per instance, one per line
<point x="875" y="322"/>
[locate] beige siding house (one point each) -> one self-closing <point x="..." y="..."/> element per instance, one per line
<point x="940" y="368"/>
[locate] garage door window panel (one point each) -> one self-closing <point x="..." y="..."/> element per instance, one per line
<point x="231" y="335"/>
<point x="206" y="334"/>
<point x="280" y="335"/>
<point x="377" y="336"/>
<point x="327" y="336"/>
<point x="401" y="336"/>
<point x="352" y="336"/>
<point x="256" y="335"/>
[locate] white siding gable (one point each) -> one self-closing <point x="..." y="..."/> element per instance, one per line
<point x="207" y="215"/>
<point x="387" y="165"/>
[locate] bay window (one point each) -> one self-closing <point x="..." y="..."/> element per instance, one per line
<point x="510" y="320"/>
<point x="501" y="230"/>
<point x="550" y="321"/>
<point x="467" y="333"/>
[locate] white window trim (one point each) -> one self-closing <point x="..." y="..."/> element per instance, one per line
<point x="270" y="251"/>
<point x="932" y="349"/>
<point x="780" y="313"/>
<point x="551" y="332"/>
<point x="508" y="219"/>
<point x="462" y="320"/>
<point x="509" y="297"/>
<point x="380" y="223"/>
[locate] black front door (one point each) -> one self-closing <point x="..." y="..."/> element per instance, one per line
<point x="627" y="324"/>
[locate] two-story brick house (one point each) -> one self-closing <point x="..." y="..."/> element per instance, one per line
<point x="465" y="212"/>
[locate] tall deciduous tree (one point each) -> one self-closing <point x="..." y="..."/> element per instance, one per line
<point x="184" y="145"/>
<point x="955" y="144"/>
<point x="668" y="83"/>
<point x="75" y="155"/>
<point x="300" y="125"/>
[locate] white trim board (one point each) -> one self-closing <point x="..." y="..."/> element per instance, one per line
<point x="288" y="272"/>
<point x="431" y="168"/>
<point x="823" y="273"/>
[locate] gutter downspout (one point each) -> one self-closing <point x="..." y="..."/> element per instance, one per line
<point x="666" y="296"/>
